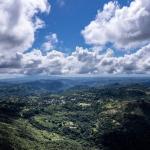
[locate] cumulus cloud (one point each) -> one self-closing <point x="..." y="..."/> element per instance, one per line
<point x="51" y="41"/>
<point x="19" y="21"/>
<point x="125" y="27"/>
<point x="81" y="61"/>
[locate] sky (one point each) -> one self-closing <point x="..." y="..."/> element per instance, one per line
<point x="74" y="37"/>
<point x="67" y="18"/>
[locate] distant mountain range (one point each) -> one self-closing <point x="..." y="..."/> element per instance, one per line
<point x="26" y="86"/>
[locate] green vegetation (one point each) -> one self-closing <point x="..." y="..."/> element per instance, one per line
<point x="116" y="118"/>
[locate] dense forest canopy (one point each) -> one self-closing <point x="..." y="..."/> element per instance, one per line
<point x="68" y="114"/>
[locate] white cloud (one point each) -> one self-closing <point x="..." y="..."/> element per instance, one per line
<point x="19" y="21"/>
<point x="81" y="61"/>
<point x="51" y="41"/>
<point x="126" y="27"/>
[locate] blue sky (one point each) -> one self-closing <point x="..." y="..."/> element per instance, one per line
<point x="68" y="20"/>
<point x="67" y="37"/>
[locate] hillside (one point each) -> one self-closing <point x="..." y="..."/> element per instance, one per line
<point x="107" y="118"/>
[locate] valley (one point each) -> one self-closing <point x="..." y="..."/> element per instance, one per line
<point x="113" y="116"/>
